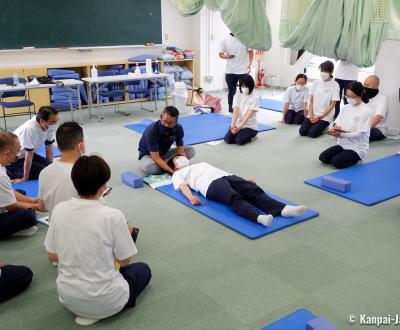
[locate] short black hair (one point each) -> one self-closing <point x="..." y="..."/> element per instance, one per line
<point x="327" y="66"/>
<point x="89" y="174"/>
<point x="45" y="112"/>
<point x="358" y="89"/>
<point x="69" y="135"/>
<point x="247" y="81"/>
<point x="171" y="110"/>
<point x="301" y="76"/>
<point x="7" y="139"/>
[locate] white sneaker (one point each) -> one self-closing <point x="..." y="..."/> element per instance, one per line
<point x="85" y="321"/>
<point x="26" y="232"/>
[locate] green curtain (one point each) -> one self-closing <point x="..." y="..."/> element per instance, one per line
<point x="188" y="7"/>
<point x="291" y="14"/>
<point x="393" y="31"/>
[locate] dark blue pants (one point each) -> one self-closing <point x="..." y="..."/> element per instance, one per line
<point x="243" y="196"/>
<point x="342" y="90"/>
<point x="232" y="82"/>
<point x="376" y="135"/>
<point x="14" y="280"/>
<point x="16" y="170"/>
<point x="313" y="130"/>
<point x="245" y="135"/>
<point x="339" y="157"/>
<point x="293" y="117"/>
<point x="137" y="275"/>
<point x="11" y="222"/>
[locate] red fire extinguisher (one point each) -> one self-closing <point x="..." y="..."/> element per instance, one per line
<point x="260" y="78"/>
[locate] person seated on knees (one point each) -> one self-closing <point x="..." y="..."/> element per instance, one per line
<point x="244" y="196"/>
<point x="379" y="107"/>
<point x="155" y="151"/>
<point x="352" y="128"/>
<point x="88" y="283"/>
<point x="296" y="98"/>
<point x="33" y="134"/>
<point x="245" y="106"/>
<point x="13" y="280"/>
<point x="323" y="96"/>
<point x="55" y="184"/>
<point x="17" y="215"/>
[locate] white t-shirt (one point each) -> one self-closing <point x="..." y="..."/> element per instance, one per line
<point x="246" y="103"/>
<point x="55" y="184"/>
<point x="197" y="176"/>
<point x="296" y="98"/>
<point x="324" y="92"/>
<point x="379" y="106"/>
<point x="233" y="46"/>
<point x="87" y="238"/>
<point x="355" y="120"/>
<point x="346" y="71"/>
<point x="7" y="196"/>
<point x="32" y="136"/>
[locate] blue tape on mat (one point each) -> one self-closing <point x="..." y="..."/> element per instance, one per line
<point x="294" y="321"/>
<point x="201" y="128"/>
<point x="226" y="216"/>
<point x="31" y="187"/>
<point x="42" y="151"/>
<point x="271" y="104"/>
<point x="371" y="183"/>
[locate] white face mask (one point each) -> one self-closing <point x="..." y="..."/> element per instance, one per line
<point x="181" y="162"/>
<point x="245" y="90"/>
<point x="351" y="100"/>
<point x="299" y="87"/>
<point x="325" y="75"/>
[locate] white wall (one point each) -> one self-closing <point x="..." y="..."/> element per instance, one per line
<point x="176" y="31"/>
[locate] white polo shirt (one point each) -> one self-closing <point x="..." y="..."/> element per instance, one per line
<point x="246" y="103"/>
<point x="31" y="136"/>
<point x="87" y="238"/>
<point x="355" y="119"/>
<point x="233" y="46"/>
<point x="55" y="185"/>
<point x="198" y="177"/>
<point x="296" y="98"/>
<point x="324" y="92"/>
<point x="379" y="106"/>
<point x="7" y="196"/>
<point x="346" y="71"/>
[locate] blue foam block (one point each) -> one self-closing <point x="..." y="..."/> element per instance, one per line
<point x="226" y="216"/>
<point x="319" y="324"/>
<point x="332" y="182"/>
<point x="371" y="183"/>
<point x="146" y="122"/>
<point x="31" y="187"/>
<point x="42" y="151"/>
<point x="202" y="128"/>
<point x="294" y="321"/>
<point x="271" y="104"/>
<point x="131" y="179"/>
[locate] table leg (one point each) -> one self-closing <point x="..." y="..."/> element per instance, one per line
<point x="79" y="104"/>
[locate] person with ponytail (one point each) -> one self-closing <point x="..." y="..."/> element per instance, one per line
<point x="352" y="128"/>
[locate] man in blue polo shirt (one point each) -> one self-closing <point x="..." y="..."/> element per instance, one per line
<point x="155" y="145"/>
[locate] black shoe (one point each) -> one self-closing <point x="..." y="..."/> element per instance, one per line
<point x="135" y="233"/>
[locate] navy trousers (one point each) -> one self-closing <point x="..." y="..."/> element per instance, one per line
<point x="14" y="280"/>
<point x="16" y="170"/>
<point x="137" y="275"/>
<point x="339" y="157"/>
<point x="293" y="117"/>
<point x="245" y="135"/>
<point x="376" y="135"/>
<point x="342" y="89"/>
<point x="232" y="82"/>
<point x="313" y="130"/>
<point x="244" y="197"/>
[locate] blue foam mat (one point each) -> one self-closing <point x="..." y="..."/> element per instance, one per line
<point x="226" y="216"/>
<point x="295" y="321"/>
<point x="371" y="183"/>
<point x="42" y="151"/>
<point x="271" y="104"/>
<point x="201" y="128"/>
<point x="31" y="187"/>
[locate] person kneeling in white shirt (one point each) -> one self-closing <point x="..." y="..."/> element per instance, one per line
<point x="244" y="196"/>
<point x="86" y="238"/>
<point x="352" y="128"/>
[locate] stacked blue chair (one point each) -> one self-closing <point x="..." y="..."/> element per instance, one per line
<point x="136" y="89"/>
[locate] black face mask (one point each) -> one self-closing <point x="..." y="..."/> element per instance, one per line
<point x="371" y="92"/>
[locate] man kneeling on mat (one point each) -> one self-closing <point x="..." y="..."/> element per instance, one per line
<point x="244" y="196"/>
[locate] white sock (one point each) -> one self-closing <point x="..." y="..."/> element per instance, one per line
<point x="26" y="232"/>
<point x="293" y="211"/>
<point x="265" y="219"/>
<point x="85" y="321"/>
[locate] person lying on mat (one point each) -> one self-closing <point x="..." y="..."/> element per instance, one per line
<point x="244" y="196"/>
<point x="296" y="98"/>
<point x="244" y="120"/>
<point x="352" y="128"/>
<point x="17" y="215"/>
<point x="155" y="151"/>
<point x="85" y="238"/>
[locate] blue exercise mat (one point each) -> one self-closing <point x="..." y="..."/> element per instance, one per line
<point x="226" y="216"/>
<point x="271" y="104"/>
<point x="31" y="187"/>
<point x="201" y="128"/>
<point x="371" y="183"/>
<point x="295" y="321"/>
<point x="42" y="151"/>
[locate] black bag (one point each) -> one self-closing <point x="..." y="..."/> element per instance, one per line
<point x="41" y="79"/>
